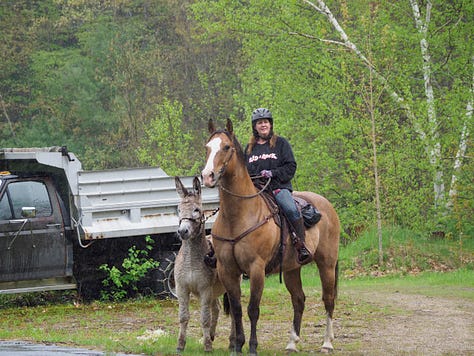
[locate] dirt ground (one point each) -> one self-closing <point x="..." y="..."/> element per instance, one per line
<point x="402" y="324"/>
<point x="419" y="325"/>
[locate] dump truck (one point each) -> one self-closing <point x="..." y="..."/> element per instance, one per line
<point x="60" y="223"/>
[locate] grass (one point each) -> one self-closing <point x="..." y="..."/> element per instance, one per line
<point x="150" y="326"/>
<point x="404" y="252"/>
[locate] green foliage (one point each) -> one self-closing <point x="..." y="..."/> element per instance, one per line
<point x="318" y="90"/>
<point x="120" y="282"/>
<point x="165" y="144"/>
<point x="127" y="83"/>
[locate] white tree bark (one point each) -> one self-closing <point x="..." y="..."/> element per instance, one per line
<point x="434" y="148"/>
<point x="462" y="143"/>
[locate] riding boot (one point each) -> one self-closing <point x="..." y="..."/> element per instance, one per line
<point x="210" y="258"/>
<point x="304" y="256"/>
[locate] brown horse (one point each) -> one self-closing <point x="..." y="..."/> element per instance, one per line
<point x="246" y="240"/>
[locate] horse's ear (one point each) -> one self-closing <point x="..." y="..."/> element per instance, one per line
<point x="211" y="127"/>
<point x="180" y="188"/>
<point x="229" y="127"/>
<point x="197" y="185"/>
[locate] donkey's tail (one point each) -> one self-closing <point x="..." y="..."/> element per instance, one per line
<point x="226" y="302"/>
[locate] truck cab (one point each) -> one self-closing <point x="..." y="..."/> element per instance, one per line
<point x="34" y="243"/>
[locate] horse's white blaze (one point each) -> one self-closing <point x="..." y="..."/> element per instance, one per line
<point x="214" y="145"/>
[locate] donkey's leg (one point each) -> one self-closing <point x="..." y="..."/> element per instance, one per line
<point x="257" y="281"/>
<point x="328" y="275"/>
<point x="293" y="284"/>
<point x="214" y="317"/>
<point x="183" y="300"/>
<point x="206" y="301"/>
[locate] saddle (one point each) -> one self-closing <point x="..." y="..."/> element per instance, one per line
<point x="310" y="214"/>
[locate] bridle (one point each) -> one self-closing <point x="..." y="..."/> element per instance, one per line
<point x="202" y="219"/>
<point x="222" y="170"/>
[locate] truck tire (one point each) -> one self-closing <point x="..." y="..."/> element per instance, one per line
<point x="163" y="276"/>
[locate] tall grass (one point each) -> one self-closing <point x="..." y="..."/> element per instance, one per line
<point x="404" y="252"/>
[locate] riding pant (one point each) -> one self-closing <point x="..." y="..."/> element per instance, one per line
<point x="287" y="204"/>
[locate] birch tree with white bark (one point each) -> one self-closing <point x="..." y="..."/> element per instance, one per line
<point x="431" y="137"/>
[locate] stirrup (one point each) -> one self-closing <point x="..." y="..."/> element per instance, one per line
<point x="304" y="256"/>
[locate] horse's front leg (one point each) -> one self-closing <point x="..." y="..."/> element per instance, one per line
<point x="257" y="281"/>
<point x="232" y="286"/>
<point x="183" y="315"/>
<point x="293" y="284"/>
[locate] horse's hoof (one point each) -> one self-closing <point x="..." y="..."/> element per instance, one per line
<point x="291" y="348"/>
<point x="326" y="350"/>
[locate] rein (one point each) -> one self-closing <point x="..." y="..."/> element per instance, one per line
<point x="247" y="196"/>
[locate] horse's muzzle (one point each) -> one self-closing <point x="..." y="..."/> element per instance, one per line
<point x="209" y="179"/>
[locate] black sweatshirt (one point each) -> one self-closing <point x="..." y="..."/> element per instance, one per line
<point x="279" y="159"/>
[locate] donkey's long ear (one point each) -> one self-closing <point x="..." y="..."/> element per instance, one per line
<point x="197" y="186"/>
<point x="211" y="127"/>
<point x="180" y="188"/>
<point x="229" y="126"/>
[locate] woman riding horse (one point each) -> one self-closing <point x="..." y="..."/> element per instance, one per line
<point x="247" y="239"/>
<point x="271" y="156"/>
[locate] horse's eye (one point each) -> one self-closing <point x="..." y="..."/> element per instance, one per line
<point x="226" y="148"/>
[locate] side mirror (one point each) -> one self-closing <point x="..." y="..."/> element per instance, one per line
<point x="28" y="212"/>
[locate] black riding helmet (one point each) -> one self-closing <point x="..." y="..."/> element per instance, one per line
<point x="261" y="113"/>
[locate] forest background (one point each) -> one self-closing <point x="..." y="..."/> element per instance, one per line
<point x="376" y="97"/>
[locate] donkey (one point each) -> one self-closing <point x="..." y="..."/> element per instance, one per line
<point x="191" y="274"/>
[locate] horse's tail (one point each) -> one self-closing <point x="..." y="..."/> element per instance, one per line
<point x="226" y="302"/>
<point x="336" y="279"/>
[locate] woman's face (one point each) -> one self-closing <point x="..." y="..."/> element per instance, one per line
<point x="263" y="128"/>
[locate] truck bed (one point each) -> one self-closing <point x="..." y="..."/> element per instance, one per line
<point x="131" y="202"/>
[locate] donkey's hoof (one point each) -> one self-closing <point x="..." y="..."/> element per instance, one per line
<point x="327" y="350"/>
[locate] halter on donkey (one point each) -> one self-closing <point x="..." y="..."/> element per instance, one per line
<point x="249" y="238"/>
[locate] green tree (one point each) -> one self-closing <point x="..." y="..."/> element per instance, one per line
<point x="166" y="145"/>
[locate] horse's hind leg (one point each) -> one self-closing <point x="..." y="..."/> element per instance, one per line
<point x="328" y="275"/>
<point x="293" y="284"/>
